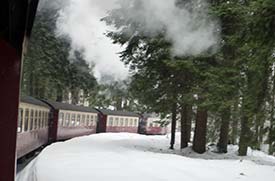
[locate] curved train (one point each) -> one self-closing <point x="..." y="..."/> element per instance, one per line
<point x="41" y="122"/>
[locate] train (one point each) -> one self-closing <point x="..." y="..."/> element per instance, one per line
<point x="42" y="122"/>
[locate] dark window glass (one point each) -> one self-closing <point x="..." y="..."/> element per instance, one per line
<point x="26" y="121"/>
<point x="31" y="119"/>
<point x="78" y="120"/>
<point x="36" y="120"/>
<point x="73" y="120"/>
<point x="20" y="120"/>
<point x="87" y="120"/>
<point x="39" y="119"/>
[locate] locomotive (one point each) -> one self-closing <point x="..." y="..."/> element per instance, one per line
<point x="42" y="122"/>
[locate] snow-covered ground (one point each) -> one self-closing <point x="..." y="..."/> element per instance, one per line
<point x="133" y="157"/>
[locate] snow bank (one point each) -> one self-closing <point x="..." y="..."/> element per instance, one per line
<point x="124" y="157"/>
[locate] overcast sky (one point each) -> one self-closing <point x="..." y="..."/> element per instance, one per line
<point x="80" y="20"/>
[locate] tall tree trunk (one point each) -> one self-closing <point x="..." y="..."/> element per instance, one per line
<point x="59" y="97"/>
<point x="186" y="119"/>
<point x="271" y="137"/>
<point x="224" y="130"/>
<point x="75" y="96"/>
<point x="244" y="136"/>
<point x="119" y="103"/>
<point x="173" y="125"/>
<point x="234" y="123"/>
<point x="271" y="131"/>
<point x="199" y="141"/>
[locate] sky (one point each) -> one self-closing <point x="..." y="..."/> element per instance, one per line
<point x="191" y="32"/>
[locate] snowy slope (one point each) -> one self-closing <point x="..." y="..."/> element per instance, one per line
<point x="133" y="157"/>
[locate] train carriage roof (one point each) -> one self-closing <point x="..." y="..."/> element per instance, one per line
<point x="31" y="100"/>
<point x="70" y="107"/>
<point x="118" y="113"/>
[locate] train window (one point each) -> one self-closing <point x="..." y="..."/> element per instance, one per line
<point x="46" y="119"/>
<point x="116" y="122"/>
<point x="87" y="120"/>
<point x="78" y="120"/>
<point x="42" y="119"/>
<point x="83" y="120"/>
<point x="73" y="120"/>
<point x="20" y="120"/>
<point x="36" y="119"/>
<point x="26" y="121"/>
<point x="96" y="120"/>
<point x="131" y="122"/>
<point x="31" y="120"/>
<point x="135" y="122"/>
<point x="151" y="124"/>
<point x="91" y="121"/>
<point x="121" y="122"/>
<point x="61" y="118"/>
<point x="126" y="122"/>
<point x="67" y="121"/>
<point x="111" y="121"/>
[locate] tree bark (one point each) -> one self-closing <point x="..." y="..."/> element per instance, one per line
<point x="234" y="124"/>
<point x="59" y="97"/>
<point x="186" y="118"/>
<point x="173" y="125"/>
<point x="75" y="96"/>
<point x="271" y="131"/>
<point x="224" y="130"/>
<point x="244" y="136"/>
<point x="199" y="142"/>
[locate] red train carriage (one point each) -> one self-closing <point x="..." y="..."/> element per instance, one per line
<point x="117" y="121"/>
<point x="152" y="127"/>
<point x="32" y="130"/>
<point x="70" y="121"/>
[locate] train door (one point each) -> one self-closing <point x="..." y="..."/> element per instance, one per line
<point x="102" y="123"/>
<point x="53" y="124"/>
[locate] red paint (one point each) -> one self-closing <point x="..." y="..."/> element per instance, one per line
<point x="10" y="66"/>
<point x="102" y="123"/>
<point x="53" y="125"/>
<point x="155" y="131"/>
<point x="30" y="141"/>
<point x="65" y="133"/>
<point x="117" y="129"/>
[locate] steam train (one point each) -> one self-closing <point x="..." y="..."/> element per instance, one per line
<point x="42" y="122"/>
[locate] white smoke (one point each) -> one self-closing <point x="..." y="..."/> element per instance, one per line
<point x="188" y="26"/>
<point x="190" y="29"/>
<point x="80" y="21"/>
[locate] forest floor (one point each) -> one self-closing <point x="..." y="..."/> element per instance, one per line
<point x="133" y="157"/>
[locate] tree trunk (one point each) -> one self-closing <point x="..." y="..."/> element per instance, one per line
<point x="59" y="97"/>
<point x="234" y="124"/>
<point x="271" y="138"/>
<point x="223" y="141"/>
<point x="119" y="103"/>
<point x="185" y="125"/>
<point x="199" y="142"/>
<point x="75" y="96"/>
<point x="173" y="125"/>
<point x="271" y="131"/>
<point x="244" y="136"/>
